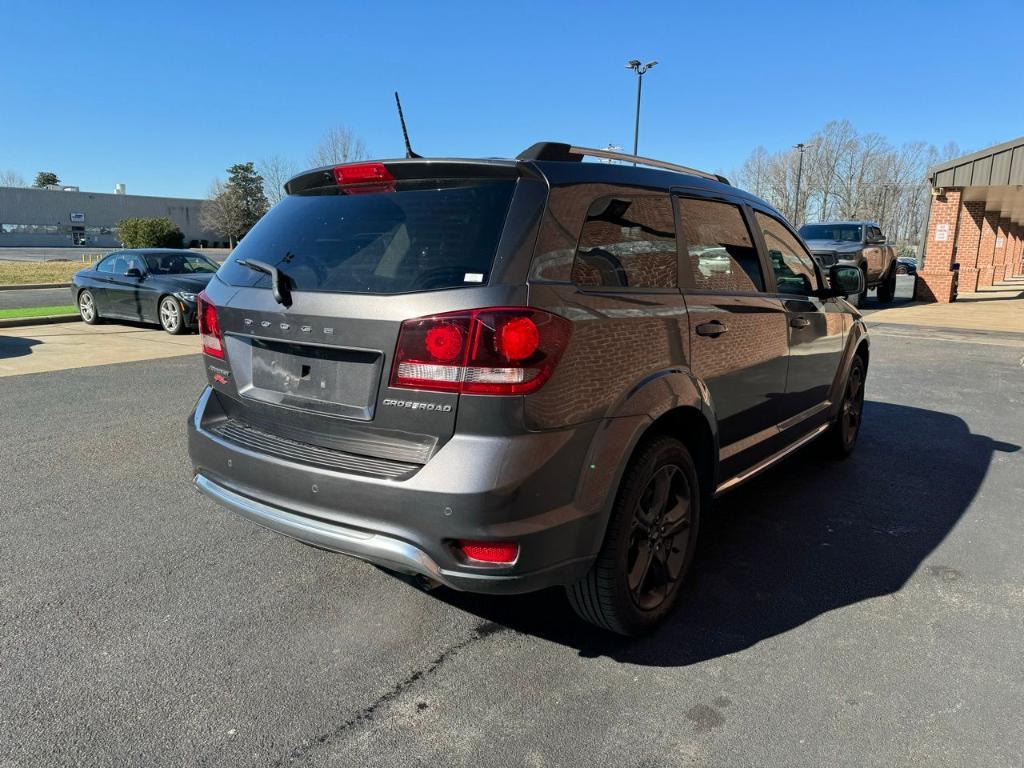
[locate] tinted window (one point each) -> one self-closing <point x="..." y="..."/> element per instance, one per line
<point x="427" y="235"/>
<point x="179" y="264"/>
<point x="107" y="265"/>
<point x="794" y="270"/>
<point x="122" y="262"/>
<point x="849" y="233"/>
<point x="720" y="250"/>
<point x="628" y="242"/>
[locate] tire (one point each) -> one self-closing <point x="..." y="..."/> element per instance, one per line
<point x="87" y="308"/>
<point x="171" y="317"/>
<point x="635" y="581"/>
<point x="887" y="289"/>
<point x="842" y="435"/>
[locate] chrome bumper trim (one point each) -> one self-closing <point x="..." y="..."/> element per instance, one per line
<point x="366" y="545"/>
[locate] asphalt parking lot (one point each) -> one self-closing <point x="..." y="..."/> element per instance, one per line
<point x="861" y="613"/>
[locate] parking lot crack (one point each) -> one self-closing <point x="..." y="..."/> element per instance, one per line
<point x="367" y="714"/>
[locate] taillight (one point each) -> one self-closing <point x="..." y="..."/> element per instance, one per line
<point x="360" y="178"/>
<point x="505" y="552"/>
<point x="209" y="327"/>
<point x="494" y="351"/>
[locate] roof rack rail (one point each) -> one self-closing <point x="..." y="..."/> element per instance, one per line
<point x="553" y="150"/>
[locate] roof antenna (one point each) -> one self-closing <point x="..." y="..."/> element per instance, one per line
<point x="405" y="134"/>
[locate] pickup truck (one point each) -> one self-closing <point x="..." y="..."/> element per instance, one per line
<point x="859" y="243"/>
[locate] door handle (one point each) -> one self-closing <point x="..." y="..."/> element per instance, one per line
<point x="799" y="322"/>
<point x="712" y="329"/>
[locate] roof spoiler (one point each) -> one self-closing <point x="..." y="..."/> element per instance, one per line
<point x="553" y="150"/>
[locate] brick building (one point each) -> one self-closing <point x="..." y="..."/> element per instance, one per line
<point x="976" y="224"/>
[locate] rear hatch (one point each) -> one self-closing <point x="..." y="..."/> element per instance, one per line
<point x="305" y="373"/>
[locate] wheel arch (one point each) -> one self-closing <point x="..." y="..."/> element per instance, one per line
<point x="686" y="414"/>
<point x="691" y="427"/>
<point x="857" y="345"/>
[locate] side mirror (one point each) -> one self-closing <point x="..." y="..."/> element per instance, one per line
<point x="845" y="280"/>
<point x="133" y="272"/>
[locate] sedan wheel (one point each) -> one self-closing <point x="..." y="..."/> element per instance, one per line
<point x="170" y="315"/>
<point x="87" y="308"/>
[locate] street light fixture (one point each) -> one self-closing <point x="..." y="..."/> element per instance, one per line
<point x="640" y="69"/>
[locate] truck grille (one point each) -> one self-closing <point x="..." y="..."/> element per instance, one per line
<point x="248" y="436"/>
<point x="825" y="258"/>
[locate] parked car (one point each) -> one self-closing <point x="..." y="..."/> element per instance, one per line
<point x="906" y="265"/>
<point x="503" y="375"/>
<point x="152" y="285"/>
<point x="860" y="243"/>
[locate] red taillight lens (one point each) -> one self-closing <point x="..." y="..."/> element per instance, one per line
<point x="360" y="178"/>
<point x="490" y="551"/>
<point x="444" y="342"/>
<point x="494" y="351"/>
<point x="209" y="327"/>
<point x="517" y="339"/>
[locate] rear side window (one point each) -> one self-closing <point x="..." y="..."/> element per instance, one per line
<point x="794" y="270"/>
<point x="628" y="242"/>
<point x="426" y="235"/>
<point x="720" y="251"/>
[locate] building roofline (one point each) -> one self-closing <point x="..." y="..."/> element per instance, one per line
<point x="973" y="156"/>
<point x="104" y="194"/>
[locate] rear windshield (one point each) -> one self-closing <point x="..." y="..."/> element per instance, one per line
<point x="428" y="235"/>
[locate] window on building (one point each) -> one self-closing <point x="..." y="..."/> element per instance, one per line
<point x="792" y="265"/>
<point x="720" y="251"/>
<point x="628" y="242"/>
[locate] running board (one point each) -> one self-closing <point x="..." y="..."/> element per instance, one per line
<point x="761" y="466"/>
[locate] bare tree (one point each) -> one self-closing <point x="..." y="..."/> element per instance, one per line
<point x="217" y="214"/>
<point x="275" y="170"/>
<point x="11" y="178"/>
<point x="753" y="174"/>
<point x="848" y="175"/>
<point x="339" y="145"/>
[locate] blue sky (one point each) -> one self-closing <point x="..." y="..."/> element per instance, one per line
<point x="165" y="96"/>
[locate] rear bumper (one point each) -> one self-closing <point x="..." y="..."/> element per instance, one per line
<point x="476" y="487"/>
<point x="375" y="547"/>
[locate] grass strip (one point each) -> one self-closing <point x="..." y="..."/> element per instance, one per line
<point x="65" y="309"/>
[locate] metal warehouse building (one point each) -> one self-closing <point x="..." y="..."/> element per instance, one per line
<point x="49" y="218"/>
<point x="976" y="224"/>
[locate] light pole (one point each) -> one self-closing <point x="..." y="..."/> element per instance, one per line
<point x="640" y="69"/>
<point x="799" y="175"/>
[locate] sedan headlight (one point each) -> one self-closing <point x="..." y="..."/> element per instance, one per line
<point x="185" y="296"/>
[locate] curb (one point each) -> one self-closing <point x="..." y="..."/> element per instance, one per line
<point x="20" y="322"/>
<point x="33" y="286"/>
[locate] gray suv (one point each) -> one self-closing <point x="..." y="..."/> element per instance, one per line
<point x="505" y="375"/>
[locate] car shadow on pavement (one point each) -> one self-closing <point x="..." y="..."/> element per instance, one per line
<point x="16" y="346"/>
<point x="808" y="537"/>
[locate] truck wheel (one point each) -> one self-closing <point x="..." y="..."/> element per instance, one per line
<point x="647" y="551"/>
<point x="887" y="289"/>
